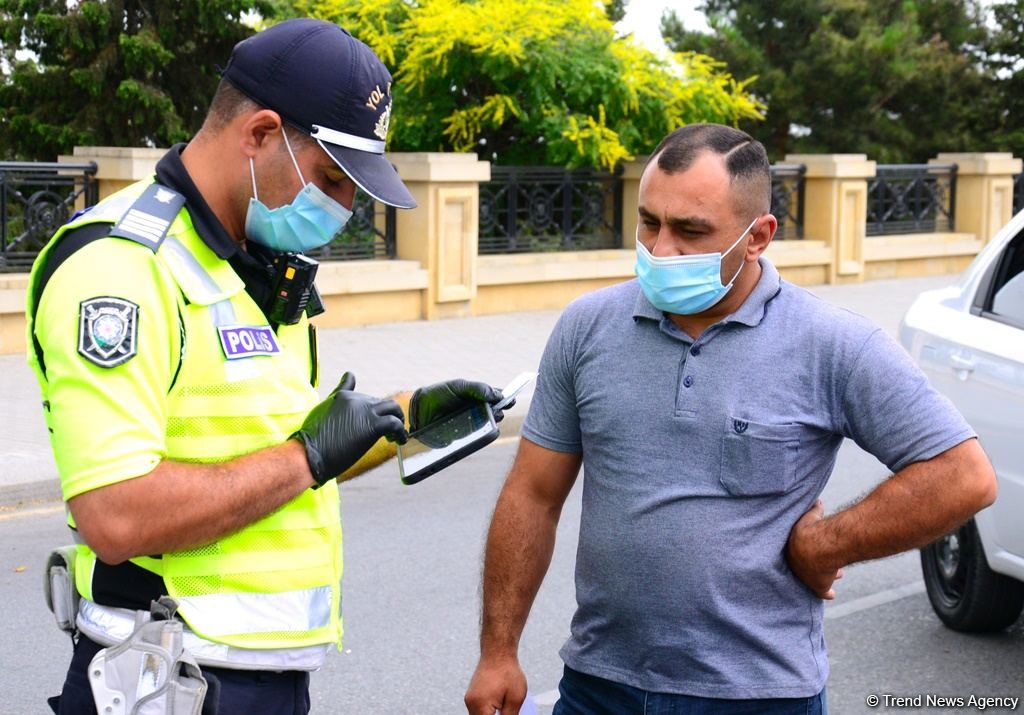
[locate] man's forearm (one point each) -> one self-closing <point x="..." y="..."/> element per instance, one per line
<point x="914" y="507"/>
<point x="180" y="505"/>
<point x="519" y="547"/>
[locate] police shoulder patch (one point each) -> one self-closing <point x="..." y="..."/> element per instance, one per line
<point x="107" y="330"/>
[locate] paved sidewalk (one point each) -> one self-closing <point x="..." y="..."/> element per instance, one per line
<point x="386" y="358"/>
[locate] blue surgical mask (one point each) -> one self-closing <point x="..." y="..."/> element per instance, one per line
<point x="684" y="285"/>
<point x="310" y="221"/>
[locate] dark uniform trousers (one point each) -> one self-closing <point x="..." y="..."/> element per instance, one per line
<point x="245" y="692"/>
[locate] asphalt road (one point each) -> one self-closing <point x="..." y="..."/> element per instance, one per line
<point x="411" y="599"/>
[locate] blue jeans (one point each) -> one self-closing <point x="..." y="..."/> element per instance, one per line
<point x="581" y="694"/>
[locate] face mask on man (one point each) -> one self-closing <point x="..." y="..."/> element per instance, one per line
<point x="310" y="221"/>
<point x="684" y="285"/>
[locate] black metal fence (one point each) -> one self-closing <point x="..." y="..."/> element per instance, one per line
<point x="1018" y="192"/>
<point x="788" y="199"/>
<point x="35" y="200"/>
<point x="911" y="198"/>
<point x="522" y="209"/>
<point x="534" y="208"/>
<point x="370" y="233"/>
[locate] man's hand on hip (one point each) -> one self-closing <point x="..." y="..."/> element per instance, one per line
<point x="497" y="684"/>
<point x="803" y="554"/>
<point x="338" y="431"/>
<point x="435" y="401"/>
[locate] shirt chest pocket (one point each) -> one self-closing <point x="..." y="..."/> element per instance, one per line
<point x="759" y="459"/>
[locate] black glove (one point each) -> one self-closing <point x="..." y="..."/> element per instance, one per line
<point x="445" y="398"/>
<point x="340" y="430"/>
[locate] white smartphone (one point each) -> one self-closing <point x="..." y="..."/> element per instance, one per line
<point x="513" y="388"/>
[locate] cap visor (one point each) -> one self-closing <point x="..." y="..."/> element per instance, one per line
<point x="372" y="173"/>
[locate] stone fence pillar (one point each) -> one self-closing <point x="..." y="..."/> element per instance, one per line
<point x="836" y="208"/>
<point x="116" y="167"/>
<point x="442" y="232"/>
<point x="631" y="172"/>
<point x="984" y="190"/>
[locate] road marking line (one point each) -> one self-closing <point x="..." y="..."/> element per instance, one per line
<point x="881" y="598"/>
<point x="22" y="513"/>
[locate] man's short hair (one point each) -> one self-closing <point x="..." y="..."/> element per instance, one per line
<point x="745" y="160"/>
<point x="229" y="102"/>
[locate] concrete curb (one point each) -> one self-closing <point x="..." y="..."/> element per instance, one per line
<point x="13" y="496"/>
<point x="24" y="493"/>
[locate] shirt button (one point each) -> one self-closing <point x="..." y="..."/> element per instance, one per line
<point x="688" y="381"/>
<point x="695" y="350"/>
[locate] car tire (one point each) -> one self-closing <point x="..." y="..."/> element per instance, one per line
<point x="965" y="593"/>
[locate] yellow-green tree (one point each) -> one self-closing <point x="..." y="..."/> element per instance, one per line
<point x="532" y="81"/>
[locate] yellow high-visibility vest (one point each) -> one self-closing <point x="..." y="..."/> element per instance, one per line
<point x="276" y="583"/>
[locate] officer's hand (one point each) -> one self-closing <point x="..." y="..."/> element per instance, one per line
<point x="338" y="431"/>
<point x="444" y="398"/>
<point x="802" y="554"/>
<point x="497" y="684"/>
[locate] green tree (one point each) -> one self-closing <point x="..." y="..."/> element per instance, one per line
<point x="111" y="72"/>
<point x="615" y="9"/>
<point x="998" y="111"/>
<point x="890" y="78"/>
<point x="532" y="81"/>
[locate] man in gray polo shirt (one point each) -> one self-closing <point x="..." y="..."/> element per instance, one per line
<point x="707" y="401"/>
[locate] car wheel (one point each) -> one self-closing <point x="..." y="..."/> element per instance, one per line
<point x="965" y="593"/>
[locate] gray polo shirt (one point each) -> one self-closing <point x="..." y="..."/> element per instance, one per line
<point x="698" y="459"/>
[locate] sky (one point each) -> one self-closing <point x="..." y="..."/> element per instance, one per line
<point x="643" y="19"/>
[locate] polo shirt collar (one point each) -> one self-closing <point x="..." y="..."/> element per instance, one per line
<point x="643" y="308"/>
<point x="749" y="313"/>
<point x="768" y="286"/>
<point x="171" y="172"/>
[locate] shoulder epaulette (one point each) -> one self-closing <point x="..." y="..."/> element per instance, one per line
<point x="149" y="218"/>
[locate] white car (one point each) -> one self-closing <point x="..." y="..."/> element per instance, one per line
<point x="969" y="340"/>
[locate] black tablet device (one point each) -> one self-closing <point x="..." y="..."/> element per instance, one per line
<point x="442" y="443"/>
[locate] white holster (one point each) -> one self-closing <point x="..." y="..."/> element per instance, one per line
<point x="59" y="587"/>
<point x="149" y="673"/>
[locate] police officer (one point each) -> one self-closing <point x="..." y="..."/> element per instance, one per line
<point x="194" y="456"/>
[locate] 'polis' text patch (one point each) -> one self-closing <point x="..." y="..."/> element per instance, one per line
<point x="241" y="341"/>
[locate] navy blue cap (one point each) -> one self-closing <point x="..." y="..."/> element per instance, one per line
<point x="331" y="86"/>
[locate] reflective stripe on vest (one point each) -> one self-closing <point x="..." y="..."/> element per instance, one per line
<point x="222" y="311"/>
<point x="228" y="613"/>
<point x="107" y="625"/>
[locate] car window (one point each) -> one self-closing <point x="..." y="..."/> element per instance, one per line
<point x="1009" y="300"/>
<point x="1008" y="293"/>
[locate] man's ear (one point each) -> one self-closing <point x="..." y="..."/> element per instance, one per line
<point x="761" y="235"/>
<point x="257" y="129"/>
